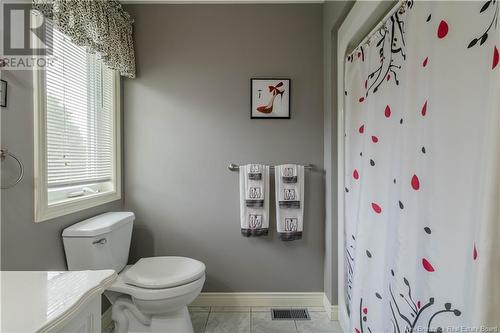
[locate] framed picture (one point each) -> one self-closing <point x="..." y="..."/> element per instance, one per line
<point x="270" y="98"/>
<point x="3" y="93"/>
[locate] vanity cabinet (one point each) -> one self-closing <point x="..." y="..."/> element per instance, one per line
<point x="86" y="320"/>
<point x="57" y="302"/>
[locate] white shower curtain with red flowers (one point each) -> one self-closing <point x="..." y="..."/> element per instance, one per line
<point x="422" y="163"/>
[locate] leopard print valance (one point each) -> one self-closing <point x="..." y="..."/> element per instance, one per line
<point x="100" y="25"/>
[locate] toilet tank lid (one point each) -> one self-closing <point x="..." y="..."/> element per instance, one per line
<point x="99" y="224"/>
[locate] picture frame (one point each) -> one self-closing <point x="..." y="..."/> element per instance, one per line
<point x="3" y="93"/>
<point x="270" y="98"/>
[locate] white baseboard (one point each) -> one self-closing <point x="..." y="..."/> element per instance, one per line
<point x="251" y="299"/>
<point x="107" y="324"/>
<point x="331" y="310"/>
<point x="259" y="299"/>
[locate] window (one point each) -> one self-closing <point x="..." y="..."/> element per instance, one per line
<point x="77" y="124"/>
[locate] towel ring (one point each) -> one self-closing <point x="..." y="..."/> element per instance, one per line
<point x="3" y="154"/>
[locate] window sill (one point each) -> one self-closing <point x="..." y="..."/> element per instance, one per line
<point x="74" y="205"/>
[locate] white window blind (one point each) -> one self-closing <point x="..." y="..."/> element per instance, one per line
<point x="79" y="97"/>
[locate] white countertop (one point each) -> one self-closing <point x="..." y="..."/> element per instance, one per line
<point x="35" y="301"/>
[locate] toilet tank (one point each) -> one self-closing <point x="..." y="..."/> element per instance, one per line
<point x="101" y="242"/>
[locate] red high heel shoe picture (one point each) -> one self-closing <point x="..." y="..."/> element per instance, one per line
<point x="270" y="98"/>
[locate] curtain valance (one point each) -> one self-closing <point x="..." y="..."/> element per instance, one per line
<point x="100" y="25"/>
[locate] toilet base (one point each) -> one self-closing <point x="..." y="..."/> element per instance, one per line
<point x="177" y="321"/>
<point x="136" y="309"/>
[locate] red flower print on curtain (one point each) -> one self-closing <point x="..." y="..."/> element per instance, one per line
<point x="495" y="58"/>
<point x="442" y="29"/>
<point x="387" y="111"/>
<point x="424" y="109"/>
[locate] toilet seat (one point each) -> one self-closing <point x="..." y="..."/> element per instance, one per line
<point x="120" y="286"/>
<point x="163" y="272"/>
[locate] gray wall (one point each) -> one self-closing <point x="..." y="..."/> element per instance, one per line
<point x="26" y="245"/>
<point x="186" y="117"/>
<point x="334" y="13"/>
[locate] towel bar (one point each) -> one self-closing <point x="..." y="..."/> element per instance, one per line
<point x="236" y="167"/>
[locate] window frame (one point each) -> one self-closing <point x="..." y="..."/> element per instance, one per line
<point x="43" y="210"/>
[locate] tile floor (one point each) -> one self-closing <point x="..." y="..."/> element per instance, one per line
<point x="257" y="320"/>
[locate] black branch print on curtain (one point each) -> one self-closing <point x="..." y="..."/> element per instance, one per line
<point x="392" y="52"/>
<point x="349" y="259"/>
<point x="360" y="54"/>
<point x="489" y="7"/>
<point x="408" y="314"/>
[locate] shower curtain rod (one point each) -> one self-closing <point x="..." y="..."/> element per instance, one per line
<point x="397" y="6"/>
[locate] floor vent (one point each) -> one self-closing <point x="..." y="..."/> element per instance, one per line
<point x="290" y="314"/>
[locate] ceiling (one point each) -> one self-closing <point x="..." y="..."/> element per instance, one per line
<point x="219" y="1"/>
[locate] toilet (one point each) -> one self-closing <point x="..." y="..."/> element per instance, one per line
<point x="150" y="296"/>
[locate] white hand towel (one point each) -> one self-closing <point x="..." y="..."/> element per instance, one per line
<point x="254" y="200"/>
<point x="255" y="172"/>
<point x="254" y="193"/>
<point x="290" y="190"/>
<point x="290" y="196"/>
<point x="289" y="173"/>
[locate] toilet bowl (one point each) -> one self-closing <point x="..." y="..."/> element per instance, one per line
<point x="144" y="297"/>
<point x="150" y="296"/>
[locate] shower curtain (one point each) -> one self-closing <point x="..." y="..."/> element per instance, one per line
<point x="422" y="143"/>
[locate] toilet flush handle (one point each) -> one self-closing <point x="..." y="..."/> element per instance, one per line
<point x="100" y="241"/>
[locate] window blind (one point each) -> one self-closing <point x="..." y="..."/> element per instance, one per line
<point x="79" y="116"/>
